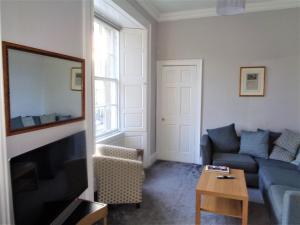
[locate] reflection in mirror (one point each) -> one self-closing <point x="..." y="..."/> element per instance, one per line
<point x="42" y="89"/>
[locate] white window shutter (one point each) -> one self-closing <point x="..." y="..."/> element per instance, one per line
<point x="133" y="80"/>
<point x="133" y="88"/>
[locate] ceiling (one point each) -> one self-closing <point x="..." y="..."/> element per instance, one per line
<point x="164" y="10"/>
<point x="109" y="11"/>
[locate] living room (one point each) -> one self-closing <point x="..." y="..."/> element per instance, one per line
<point x="186" y="83"/>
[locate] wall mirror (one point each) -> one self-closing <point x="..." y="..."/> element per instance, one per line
<point x="41" y="88"/>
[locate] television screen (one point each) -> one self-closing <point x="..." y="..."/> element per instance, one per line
<point x="46" y="180"/>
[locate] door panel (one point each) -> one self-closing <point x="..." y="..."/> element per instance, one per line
<point x="185" y="101"/>
<point x="185" y="138"/>
<point x="170" y="133"/>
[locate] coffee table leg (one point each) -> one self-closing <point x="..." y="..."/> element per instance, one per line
<point x="245" y="213"/>
<point x="198" y="207"/>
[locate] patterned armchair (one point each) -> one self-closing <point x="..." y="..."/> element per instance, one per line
<point x="119" y="174"/>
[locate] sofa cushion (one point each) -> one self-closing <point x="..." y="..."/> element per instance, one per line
<point x="16" y="123"/>
<point x="275" y="195"/>
<point x="282" y="154"/>
<point x="48" y="118"/>
<point x="37" y="120"/>
<point x="224" y="139"/>
<point x="63" y="117"/>
<point x="28" y="121"/>
<point x="274" y="163"/>
<point x="273" y="136"/>
<point x="255" y="143"/>
<point x="289" y="140"/>
<point x="235" y="161"/>
<point x="279" y="176"/>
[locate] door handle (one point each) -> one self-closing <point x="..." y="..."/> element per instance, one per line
<point x="162" y="119"/>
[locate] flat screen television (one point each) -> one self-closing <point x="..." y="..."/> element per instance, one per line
<point x="48" y="179"/>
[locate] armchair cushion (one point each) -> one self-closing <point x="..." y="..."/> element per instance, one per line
<point x="224" y="139"/>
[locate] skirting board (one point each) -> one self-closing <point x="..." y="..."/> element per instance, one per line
<point x="152" y="159"/>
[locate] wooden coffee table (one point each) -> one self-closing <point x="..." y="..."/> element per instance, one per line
<point x="227" y="197"/>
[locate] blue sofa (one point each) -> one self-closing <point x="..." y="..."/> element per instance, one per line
<point x="278" y="181"/>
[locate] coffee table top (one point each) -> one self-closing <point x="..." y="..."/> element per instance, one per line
<point x="227" y="188"/>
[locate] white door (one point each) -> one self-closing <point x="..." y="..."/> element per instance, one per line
<point x="179" y="113"/>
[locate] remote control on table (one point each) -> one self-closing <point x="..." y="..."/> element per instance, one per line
<point x="225" y="177"/>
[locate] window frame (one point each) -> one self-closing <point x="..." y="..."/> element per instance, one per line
<point x="109" y="79"/>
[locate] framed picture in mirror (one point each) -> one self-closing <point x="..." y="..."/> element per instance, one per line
<point x="252" y="81"/>
<point x="76" y="79"/>
<point x="37" y="88"/>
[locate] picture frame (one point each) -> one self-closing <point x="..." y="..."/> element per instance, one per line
<point x="252" y="81"/>
<point x="76" y="79"/>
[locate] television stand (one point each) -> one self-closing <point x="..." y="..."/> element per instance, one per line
<point x="88" y="213"/>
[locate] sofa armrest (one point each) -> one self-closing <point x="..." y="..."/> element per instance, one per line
<point x="206" y="150"/>
<point x="291" y="205"/>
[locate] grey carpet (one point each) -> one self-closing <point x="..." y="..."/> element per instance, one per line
<point x="169" y="198"/>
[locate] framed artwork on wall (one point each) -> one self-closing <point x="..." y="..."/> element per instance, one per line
<point x="252" y="81"/>
<point x="76" y="79"/>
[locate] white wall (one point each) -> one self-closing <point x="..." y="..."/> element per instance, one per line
<point x="58" y="97"/>
<point x="26" y="84"/>
<point x="59" y="26"/>
<point x="50" y="25"/>
<point x="270" y="39"/>
<point x="5" y="205"/>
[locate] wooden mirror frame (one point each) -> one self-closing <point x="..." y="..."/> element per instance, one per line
<point x="8" y="45"/>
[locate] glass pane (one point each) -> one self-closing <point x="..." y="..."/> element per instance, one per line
<point x="106" y="109"/>
<point x="114" y="117"/>
<point x="105" y="93"/>
<point x="106" y="51"/>
<point x="106" y="119"/>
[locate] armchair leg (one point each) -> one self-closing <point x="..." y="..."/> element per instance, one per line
<point x="138" y="205"/>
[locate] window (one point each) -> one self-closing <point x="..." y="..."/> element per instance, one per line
<point x="106" y="78"/>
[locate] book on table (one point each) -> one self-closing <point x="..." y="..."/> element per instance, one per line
<point x="221" y="169"/>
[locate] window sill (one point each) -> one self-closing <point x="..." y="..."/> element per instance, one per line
<point x="110" y="138"/>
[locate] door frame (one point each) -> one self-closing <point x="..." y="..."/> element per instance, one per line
<point x="199" y="68"/>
